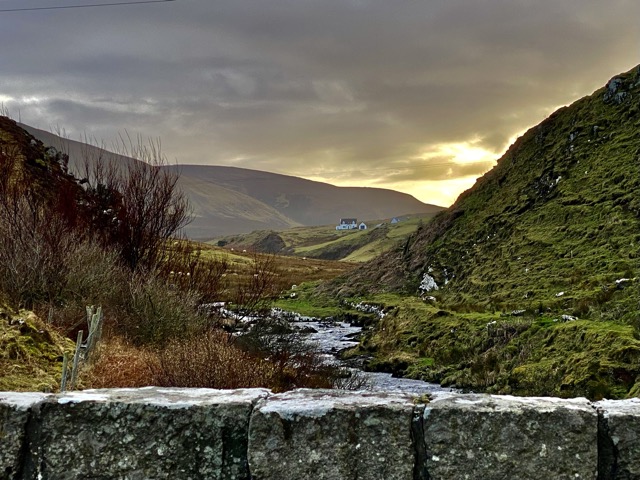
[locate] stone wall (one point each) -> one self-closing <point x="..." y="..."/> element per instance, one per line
<point x="156" y="433"/>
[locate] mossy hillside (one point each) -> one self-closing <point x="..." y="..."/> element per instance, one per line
<point x="43" y="169"/>
<point x="559" y="213"/>
<point x="522" y="355"/>
<point x="30" y="352"/>
<point x="553" y="230"/>
<point x="305" y="300"/>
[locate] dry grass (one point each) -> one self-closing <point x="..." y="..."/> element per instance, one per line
<point x="208" y="360"/>
<point x="120" y="364"/>
<point x="292" y="270"/>
<point x="211" y="360"/>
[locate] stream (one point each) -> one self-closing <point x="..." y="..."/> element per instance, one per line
<point x="330" y="337"/>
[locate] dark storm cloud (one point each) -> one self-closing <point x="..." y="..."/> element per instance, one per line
<point x="349" y="90"/>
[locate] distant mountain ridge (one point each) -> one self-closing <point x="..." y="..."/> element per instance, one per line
<point x="230" y="200"/>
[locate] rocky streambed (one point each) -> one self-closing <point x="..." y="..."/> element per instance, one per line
<point x="330" y="337"/>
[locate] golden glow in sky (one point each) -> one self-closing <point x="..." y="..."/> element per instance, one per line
<point x="443" y="192"/>
<point x="454" y="166"/>
<point x="464" y="152"/>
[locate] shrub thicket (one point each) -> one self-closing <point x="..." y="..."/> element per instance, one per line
<point x="108" y="239"/>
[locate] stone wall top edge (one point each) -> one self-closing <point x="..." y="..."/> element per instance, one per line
<point x="165" y="397"/>
<point x="481" y="402"/>
<point x="203" y="396"/>
<point x="23" y="400"/>
<point x="630" y="406"/>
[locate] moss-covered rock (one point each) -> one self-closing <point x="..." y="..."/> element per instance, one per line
<point x="31" y="353"/>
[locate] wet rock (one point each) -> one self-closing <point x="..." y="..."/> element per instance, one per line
<point x="307" y="329"/>
<point x="491" y="437"/>
<point x="321" y="434"/>
<point x="14" y="416"/>
<point x="148" y="433"/>
<point x="618" y="439"/>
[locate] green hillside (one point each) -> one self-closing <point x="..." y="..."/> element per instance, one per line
<point x="551" y="234"/>
<point x="327" y="243"/>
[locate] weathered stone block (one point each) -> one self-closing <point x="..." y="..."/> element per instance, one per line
<point x="14" y="416"/>
<point x="140" y="434"/>
<point x="619" y="440"/>
<point x="501" y="437"/>
<point x="311" y="434"/>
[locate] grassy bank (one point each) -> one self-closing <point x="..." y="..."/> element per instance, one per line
<point x="528" y="354"/>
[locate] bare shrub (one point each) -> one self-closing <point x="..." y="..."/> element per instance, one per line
<point x="255" y="289"/>
<point x="184" y="267"/>
<point x="40" y="224"/>
<point x="94" y="276"/>
<point x="151" y="313"/>
<point x="138" y="207"/>
<point x="350" y="379"/>
<point x="36" y="245"/>
<point x="211" y="360"/>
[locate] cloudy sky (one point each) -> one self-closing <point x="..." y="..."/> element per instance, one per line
<point x="416" y="95"/>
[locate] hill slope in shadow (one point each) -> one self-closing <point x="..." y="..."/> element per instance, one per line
<point x="230" y="200"/>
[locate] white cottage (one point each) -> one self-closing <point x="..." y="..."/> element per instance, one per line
<point x="347" y="224"/>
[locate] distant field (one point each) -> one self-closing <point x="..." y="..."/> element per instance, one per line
<point x="293" y="270"/>
<point x="327" y="243"/>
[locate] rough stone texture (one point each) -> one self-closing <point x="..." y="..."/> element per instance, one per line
<point x="156" y="433"/>
<point x="619" y="439"/>
<point x="140" y="434"/>
<point x="14" y="416"/>
<point x="502" y="437"/>
<point x="311" y="434"/>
